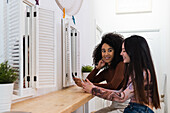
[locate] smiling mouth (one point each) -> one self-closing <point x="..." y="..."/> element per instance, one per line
<point x="107" y="57"/>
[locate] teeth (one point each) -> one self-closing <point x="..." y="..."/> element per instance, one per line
<point x="107" y="57"/>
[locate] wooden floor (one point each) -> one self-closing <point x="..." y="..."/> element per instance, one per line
<point x="63" y="101"/>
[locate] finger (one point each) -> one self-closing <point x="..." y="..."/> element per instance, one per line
<point x="75" y="79"/>
<point x="88" y="81"/>
<point x="83" y="84"/>
<point x="82" y="80"/>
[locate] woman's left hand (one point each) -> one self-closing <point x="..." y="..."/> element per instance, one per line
<point x="87" y="86"/>
<point x="78" y="81"/>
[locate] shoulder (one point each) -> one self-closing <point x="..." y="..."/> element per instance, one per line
<point x="120" y="65"/>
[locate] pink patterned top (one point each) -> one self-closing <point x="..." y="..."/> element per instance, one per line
<point x="121" y="96"/>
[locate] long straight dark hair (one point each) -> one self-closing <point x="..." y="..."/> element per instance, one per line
<point x="140" y="60"/>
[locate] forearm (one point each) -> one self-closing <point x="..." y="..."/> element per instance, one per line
<point x="112" y="95"/>
<point x="96" y="77"/>
<point x="92" y="75"/>
<point x="107" y="94"/>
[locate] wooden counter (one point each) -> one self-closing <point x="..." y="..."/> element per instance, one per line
<point x="63" y="101"/>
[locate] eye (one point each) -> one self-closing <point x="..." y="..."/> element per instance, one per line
<point x="103" y="50"/>
<point x="123" y="50"/>
<point x="110" y="50"/>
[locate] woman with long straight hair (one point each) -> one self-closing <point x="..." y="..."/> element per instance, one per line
<point x="140" y="84"/>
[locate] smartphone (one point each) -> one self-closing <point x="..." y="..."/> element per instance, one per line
<point x="73" y="76"/>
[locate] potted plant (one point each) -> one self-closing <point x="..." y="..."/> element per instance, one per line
<point x="7" y="77"/>
<point x="86" y="69"/>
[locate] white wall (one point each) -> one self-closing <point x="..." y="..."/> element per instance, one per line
<point x="165" y="25"/>
<point x="108" y="20"/>
<point x="86" y="24"/>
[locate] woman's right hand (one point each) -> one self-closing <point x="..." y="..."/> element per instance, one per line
<point x="100" y="64"/>
<point x="87" y="86"/>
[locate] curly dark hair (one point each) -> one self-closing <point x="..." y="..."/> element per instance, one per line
<point x="115" y="41"/>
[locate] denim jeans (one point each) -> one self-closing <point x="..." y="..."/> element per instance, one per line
<point x="137" y="108"/>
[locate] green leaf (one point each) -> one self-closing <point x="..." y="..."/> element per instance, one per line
<point x="7" y="73"/>
<point x="86" y="68"/>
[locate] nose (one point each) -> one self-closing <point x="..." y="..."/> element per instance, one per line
<point x="106" y="53"/>
<point x="121" y="53"/>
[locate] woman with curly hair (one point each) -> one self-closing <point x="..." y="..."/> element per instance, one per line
<point x="107" y="60"/>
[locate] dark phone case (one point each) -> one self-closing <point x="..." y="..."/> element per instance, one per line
<point x="73" y="76"/>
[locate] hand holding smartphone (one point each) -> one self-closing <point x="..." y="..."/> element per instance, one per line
<point x="78" y="81"/>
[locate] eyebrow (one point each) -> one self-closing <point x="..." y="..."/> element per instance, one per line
<point x="108" y="48"/>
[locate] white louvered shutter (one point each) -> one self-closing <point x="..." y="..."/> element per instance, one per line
<point x="77" y="55"/>
<point x="71" y="52"/>
<point x="13" y="33"/>
<point x="75" y="52"/>
<point x="67" y="60"/>
<point x="46" y="49"/>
